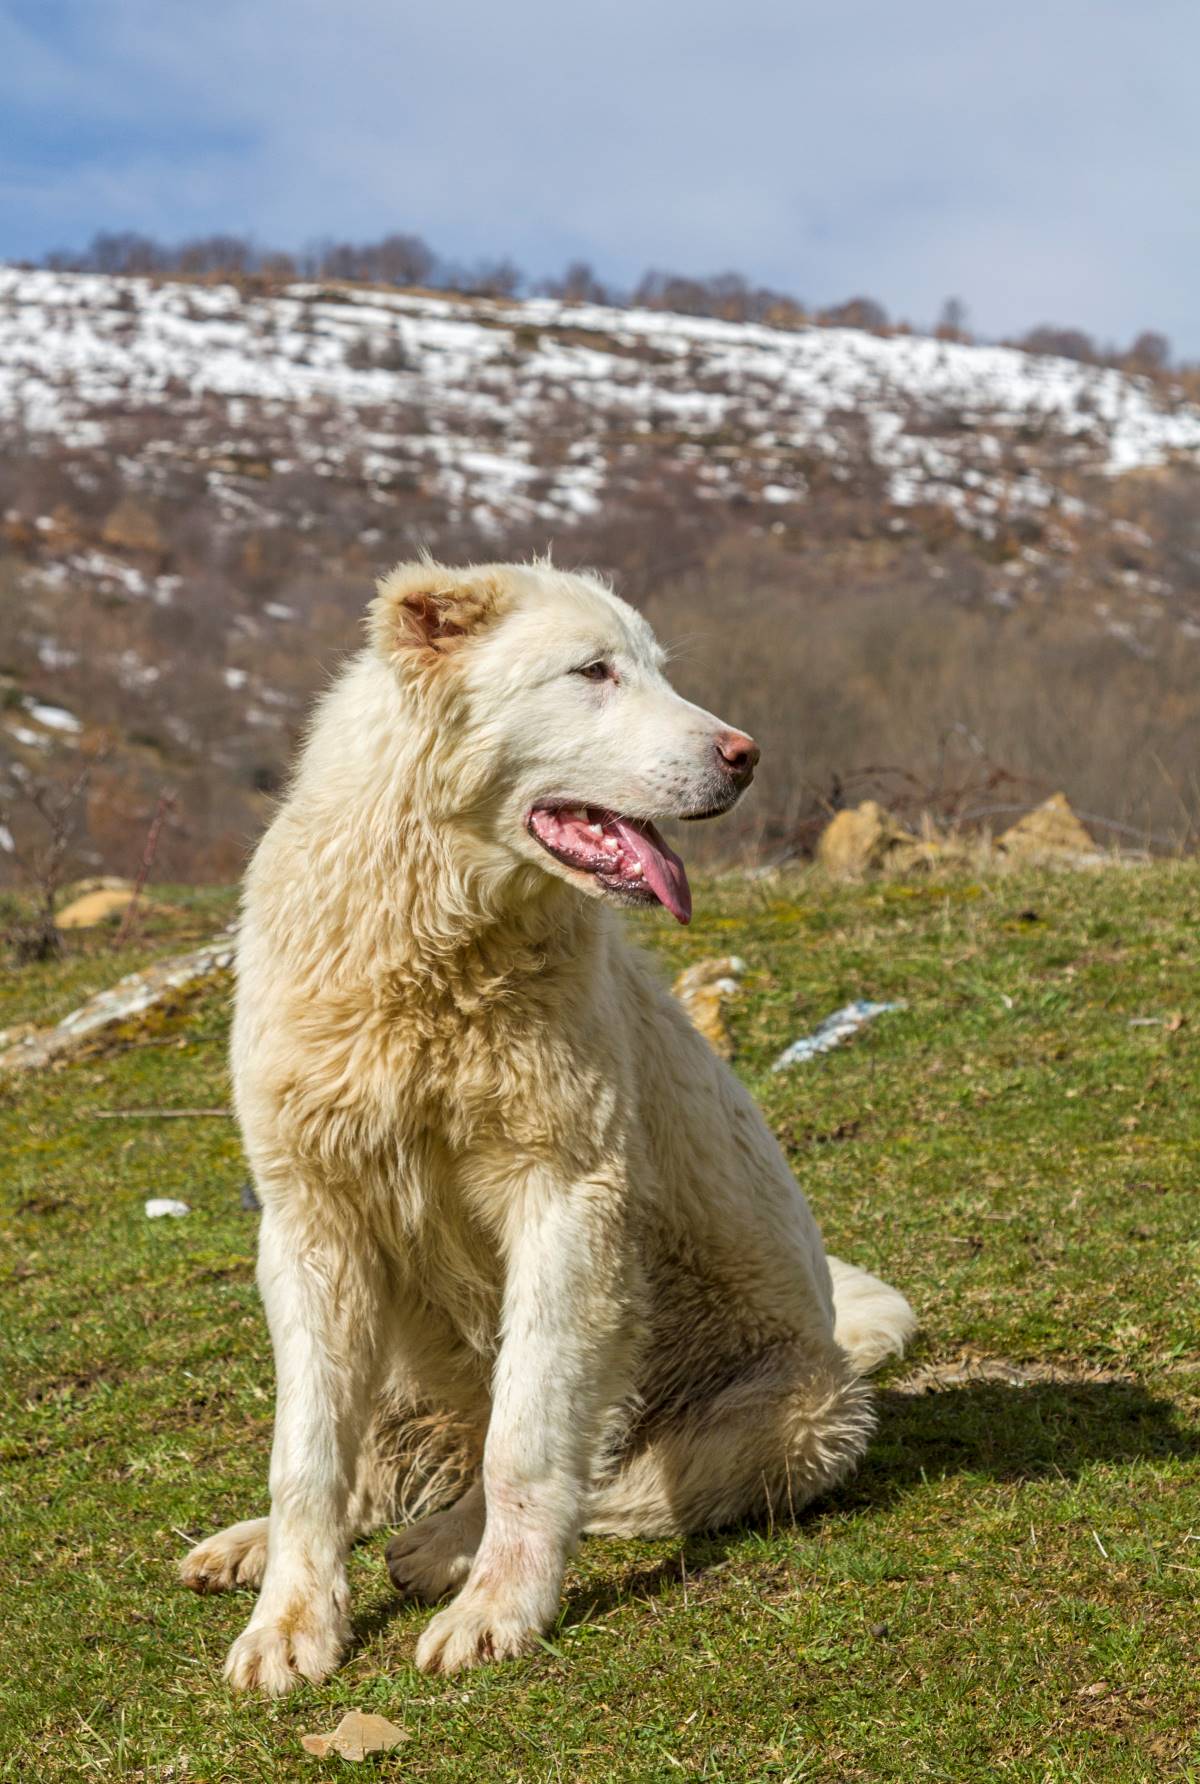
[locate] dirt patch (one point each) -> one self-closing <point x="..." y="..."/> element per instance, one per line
<point x="936" y="1378"/>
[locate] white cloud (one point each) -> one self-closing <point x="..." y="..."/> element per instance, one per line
<point x="1040" y="161"/>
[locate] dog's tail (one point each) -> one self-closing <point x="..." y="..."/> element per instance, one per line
<point x="871" y="1321"/>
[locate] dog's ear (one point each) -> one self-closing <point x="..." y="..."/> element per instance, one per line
<point x="430" y="611"/>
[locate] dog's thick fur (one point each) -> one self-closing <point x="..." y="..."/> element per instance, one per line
<point x="532" y="1262"/>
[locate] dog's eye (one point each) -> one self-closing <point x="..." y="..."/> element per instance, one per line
<point x="597" y="671"/>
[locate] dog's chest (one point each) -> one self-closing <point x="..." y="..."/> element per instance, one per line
<point x="508" y="1064"/>
<point x="447" y="1246"/>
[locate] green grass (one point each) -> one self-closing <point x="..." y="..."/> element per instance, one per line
<point x="1006" y="1589"/>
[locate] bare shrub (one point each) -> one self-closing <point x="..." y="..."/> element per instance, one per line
<point x="863" y="684"/>
<point x="1063" y="343"/>
<point x="726" y="295"/>
<point x="856" y="312"/>
<point x="578" y="285"/>
<point x="42" y="847"/>
<point x="1150" y="352"/>
<point x="952" y="322"/>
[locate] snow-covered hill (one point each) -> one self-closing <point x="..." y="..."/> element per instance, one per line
<point x="198" y="484"/>
<point x="538" y="411"/>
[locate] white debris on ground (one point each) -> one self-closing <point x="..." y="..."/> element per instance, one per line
<point x="159" y="1206"/>
<point x="55" y="718"/>
<point x="833" y="1031"/>
<point x="534" y="410"/>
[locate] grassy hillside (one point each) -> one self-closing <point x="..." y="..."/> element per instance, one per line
<point x="1006" y="1589"/>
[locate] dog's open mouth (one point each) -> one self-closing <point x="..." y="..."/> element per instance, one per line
<point x="627" y="855"/>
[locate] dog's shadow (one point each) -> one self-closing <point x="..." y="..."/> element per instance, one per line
<point x="1013" y="1432"/>
<point x="994" y="1430"/>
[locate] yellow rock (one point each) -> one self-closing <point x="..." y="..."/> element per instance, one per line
<point x="1051" y="832"/>
<point x="66" y="531"/>
<point x="94" y="907"/>
<point x="132" y="527"/>
<point x="703" y="989"/>
<point x="100" y="882"/>
<point x="861" y="840"/>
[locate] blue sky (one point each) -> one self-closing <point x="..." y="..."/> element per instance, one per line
<point x="1039" y="158"/>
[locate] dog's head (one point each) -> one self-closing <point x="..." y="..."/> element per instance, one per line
<point x="557" y="736"/>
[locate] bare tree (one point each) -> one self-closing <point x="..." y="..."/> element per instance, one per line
<point x="404" y="260"/>
<point x="490" y="278"/>
<point x="123" y="252"/>
<point x="213" y="254"/>
<point x="164" y="809"/>
<point x="952" y="323"/>
<point x="44" y="863"/>
<point x="1151" y="352"/>
<point x="578" y="285"/>
<point x="1064" y="343"/>
<point x="277" y="266"/>
<point x="856" y="312"/>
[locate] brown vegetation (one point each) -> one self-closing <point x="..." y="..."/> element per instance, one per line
<point x="866" y="664"/>
<point x="187" y="604"/>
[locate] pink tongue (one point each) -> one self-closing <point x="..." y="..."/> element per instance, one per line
<point x="662" y="869"/>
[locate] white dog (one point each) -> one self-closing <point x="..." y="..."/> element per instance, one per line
<point x="528" y="1248"/>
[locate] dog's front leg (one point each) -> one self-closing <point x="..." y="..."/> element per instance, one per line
<point x="323" y="1294"/>
<point x="565" y="1342"/>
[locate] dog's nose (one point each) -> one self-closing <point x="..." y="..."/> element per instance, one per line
<point x="737" y="753"/>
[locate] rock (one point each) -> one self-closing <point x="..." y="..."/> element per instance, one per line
<point x="160" y="1207"/>
<point x="62" y="530"/>
<point x="132" y="527"/>
<point x="92" y="901"/>
<point x="242" y="464"/>
<point x="703" y="990"/>
<point x="868" y="839"/>
<point x="130" y="1003"/>
<point x="100" y="882"/>
<point x="863" y="840"/>
<point x="93" y="907"/>
<point x="18" y="533"/>
<point x="1050" y="833"/>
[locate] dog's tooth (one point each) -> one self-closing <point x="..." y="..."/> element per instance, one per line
<point x="635" y="872"/>
<point x="611" y="844"/>
<point x="596" y="829"/>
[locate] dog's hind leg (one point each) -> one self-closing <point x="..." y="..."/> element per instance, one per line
<point x="791" y="1427"/>
<point x="434" y="1555"/>
<point x="233" y="1557"/>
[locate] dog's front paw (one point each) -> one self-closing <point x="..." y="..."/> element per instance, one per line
<point x="277" y="1655"/>
<point x="478" y="1628"/>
